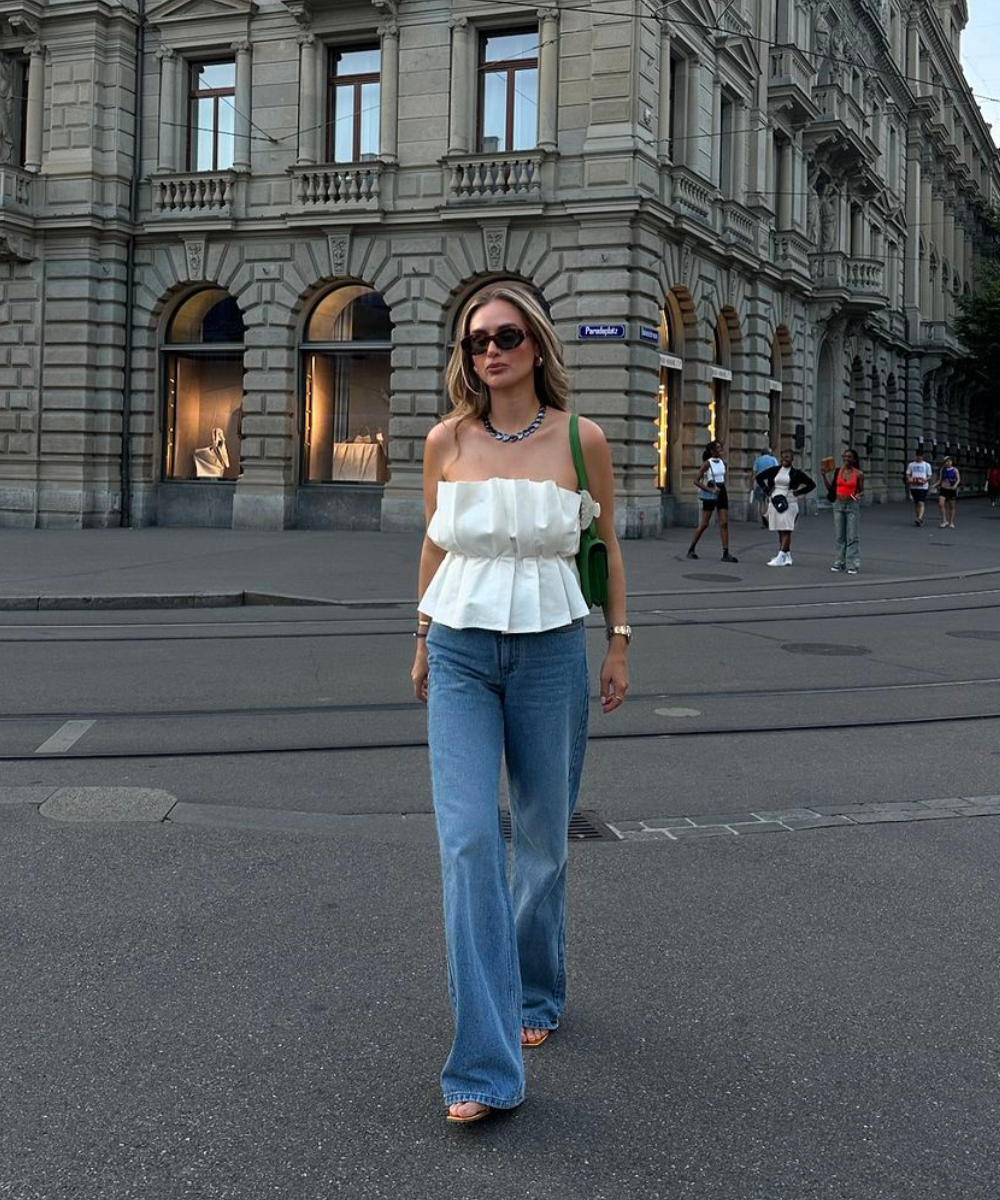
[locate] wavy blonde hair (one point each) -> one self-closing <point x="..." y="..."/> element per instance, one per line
<point x="470" y="397"/>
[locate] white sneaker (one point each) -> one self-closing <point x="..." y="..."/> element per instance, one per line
<point x="779" y="559"/>
<point x="788" y="559"/>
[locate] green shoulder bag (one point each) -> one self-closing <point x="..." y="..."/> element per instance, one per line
<point x="592" y="557"/>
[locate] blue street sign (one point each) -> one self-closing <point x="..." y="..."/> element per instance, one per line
<point x="607" y="333"/>
<point x="649" y="333"/>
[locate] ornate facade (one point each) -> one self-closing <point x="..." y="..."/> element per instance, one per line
<point x="235" y="234"/>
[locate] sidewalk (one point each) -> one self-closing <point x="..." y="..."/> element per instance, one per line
<point x="206" y="566"/>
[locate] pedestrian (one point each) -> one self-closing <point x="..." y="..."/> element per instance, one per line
<point x="993" y="484"/>
<point x="501" y="662"/>
<point x="783" y="485"/>
<point x="844" y="489"/>
<point x="711" y="484"/>
<point x="763" y="462"/>
<point x="949" y="480"/>
<point x="918" y="478"/>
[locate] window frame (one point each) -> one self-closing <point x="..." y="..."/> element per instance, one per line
<point x="216" y="94"/>
<point x="358" y="82"/>
<point x="510" y="66"/>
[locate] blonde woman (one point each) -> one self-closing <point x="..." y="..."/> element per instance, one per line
<point x="501" y="662"/>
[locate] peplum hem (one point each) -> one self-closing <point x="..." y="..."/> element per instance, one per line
<point x="505" y="595"/>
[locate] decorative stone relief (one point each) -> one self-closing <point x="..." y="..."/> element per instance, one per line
<point x="340" y="252"/>
<point x="495" y="245"/>
<point x="194" y="252"/>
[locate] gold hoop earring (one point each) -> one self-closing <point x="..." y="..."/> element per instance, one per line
<point x="538" y="360"/>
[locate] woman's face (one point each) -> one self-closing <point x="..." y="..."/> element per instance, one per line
<point x="848" y="459"/>
<point x="787" y="458"/>
<point x="715" y="449"/>
<point x="496" y="367"/>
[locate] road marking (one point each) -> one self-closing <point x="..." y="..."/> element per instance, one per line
<point x="65" y="737"/>
<point x="677" y="712"/>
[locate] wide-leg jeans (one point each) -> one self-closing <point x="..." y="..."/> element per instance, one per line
<point x="522" y="697"/>
<point x="846" y="528"/>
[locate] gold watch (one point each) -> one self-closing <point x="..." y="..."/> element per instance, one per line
<point x="624" y="630"/>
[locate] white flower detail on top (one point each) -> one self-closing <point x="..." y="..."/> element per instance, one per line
<point x="590" y="510"/>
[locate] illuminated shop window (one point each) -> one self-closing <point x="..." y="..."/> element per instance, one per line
<point x="667" y="394"/>
<point x="203" y="374"/>
<point x="345" y="372"/>
<point x="722" y="375"/>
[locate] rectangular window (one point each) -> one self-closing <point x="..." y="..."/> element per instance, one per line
<point x="212" y="116"/>
<point x="508" y="92"/>
<point x="354" y="98"/>
<point x="13" y="107"/>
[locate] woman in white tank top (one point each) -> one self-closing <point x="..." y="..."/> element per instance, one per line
<point x="501" y="662"/>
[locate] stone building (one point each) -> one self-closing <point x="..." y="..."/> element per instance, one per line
<point x="235" y="234"/>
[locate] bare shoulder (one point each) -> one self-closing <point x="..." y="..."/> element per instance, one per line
<point x="591" y="434"/>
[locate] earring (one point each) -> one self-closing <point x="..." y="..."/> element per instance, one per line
<point x="538" y="360"/>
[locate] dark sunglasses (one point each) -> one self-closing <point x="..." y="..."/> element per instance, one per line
<point x="507" y="338"/>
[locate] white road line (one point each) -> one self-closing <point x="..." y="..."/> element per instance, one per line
<point x="65" y="737"/>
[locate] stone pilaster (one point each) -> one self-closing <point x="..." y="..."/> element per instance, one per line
<point x="244" y="70"/>
<point x="461" y="92"/>
<point x="548" y="78"/>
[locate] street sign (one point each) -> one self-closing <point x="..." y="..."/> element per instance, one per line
<point x="605" y="333"/>
<point x="649" y="333"/>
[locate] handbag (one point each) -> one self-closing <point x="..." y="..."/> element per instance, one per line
<point x="592" y="557"/>
<point x="779" y="502"/>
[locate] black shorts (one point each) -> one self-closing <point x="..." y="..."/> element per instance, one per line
<point x="919" y="495"/>
<point x="719" y="502"/>
<point x="947" y="493"/>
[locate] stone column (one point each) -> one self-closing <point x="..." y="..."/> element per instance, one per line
<point x="912" y="268"/>
<point x="309" y="114"/>
<point x="937" y="207"/>
<point x="388" y="134"/>
<point x="692" y="115"/>
<point x="786" y="186"/>
<point x="548" y="78"/>
<point x="717" y="132"/>
<point x="741" y="132"/>
<point x="241" y="142"/>
<point x="663" y="123"/>
<point x="35" y="116"/>
<point x="799" y="183"/>
<point x="167" y="150"/>
<point x="461" y="97"/>
<point x="949" y="249"/>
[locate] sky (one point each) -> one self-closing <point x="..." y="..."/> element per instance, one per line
<point x="981" y="58"/>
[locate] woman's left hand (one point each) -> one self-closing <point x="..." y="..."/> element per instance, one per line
<point x="614" y="678"/>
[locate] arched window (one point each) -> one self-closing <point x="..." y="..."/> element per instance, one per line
<point x="722" y="376"/>
<point x="346" y="367"/>
<point x="668" y="395"/>
<point x="203" y="394"/>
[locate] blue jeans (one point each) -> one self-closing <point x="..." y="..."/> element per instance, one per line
<point x="522" y="696"/>
<point x="846" y="524"/>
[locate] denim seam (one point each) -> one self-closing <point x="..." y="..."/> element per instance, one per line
<point x="461" y="1097"/>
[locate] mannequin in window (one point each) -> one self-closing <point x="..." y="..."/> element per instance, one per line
<point x="210" y="462"/>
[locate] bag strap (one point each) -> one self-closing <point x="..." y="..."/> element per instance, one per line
<point x="577" y="450"/>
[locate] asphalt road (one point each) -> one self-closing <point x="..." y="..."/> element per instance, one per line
<point x="220" y="1010"/>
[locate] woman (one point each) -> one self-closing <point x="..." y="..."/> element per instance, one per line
<point x="846" y="488"/>
<point x="711" y="484"/>
<point x="949" y="480"/>
<point x="783" y="485"/>
<point x="501" y="662"/>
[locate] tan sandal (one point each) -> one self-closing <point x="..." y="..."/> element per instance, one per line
<point x="484" y="1111"/>
<point x="534" y="1041"/>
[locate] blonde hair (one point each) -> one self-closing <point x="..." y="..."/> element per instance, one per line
<point x="470" y="397"/>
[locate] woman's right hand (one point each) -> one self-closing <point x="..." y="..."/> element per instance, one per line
<point x="418" y="675"/>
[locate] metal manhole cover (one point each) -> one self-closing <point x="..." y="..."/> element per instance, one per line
<point x="583" y="827"/>
<point x="715" y="578"/>
<point x="976" y="635"/>
<point x="830" y="649"/>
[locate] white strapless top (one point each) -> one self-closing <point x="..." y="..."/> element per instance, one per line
<point x="510" y="564"/>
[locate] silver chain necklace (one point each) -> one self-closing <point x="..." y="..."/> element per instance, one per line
<point x="514" y="437"/>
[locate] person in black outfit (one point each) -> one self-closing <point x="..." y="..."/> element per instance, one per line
<point x="783" y="485"/>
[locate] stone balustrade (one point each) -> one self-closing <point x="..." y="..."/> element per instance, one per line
<point x="738" y="226"/>
<point x="494" y="177"/>
<point x="198" y="193"/>
<point x="350" y="186"/>
<point x="692" y="197"/>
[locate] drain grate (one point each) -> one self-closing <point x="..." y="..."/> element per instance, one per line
<point x="830" y="649"/>
<point x="583" y="827"/>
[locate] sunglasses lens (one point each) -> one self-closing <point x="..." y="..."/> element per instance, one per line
<point x="509" y="338"/>
<point x="475" y="344"/>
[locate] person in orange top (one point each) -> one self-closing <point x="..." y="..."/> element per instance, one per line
<point x="845" y="488"/>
